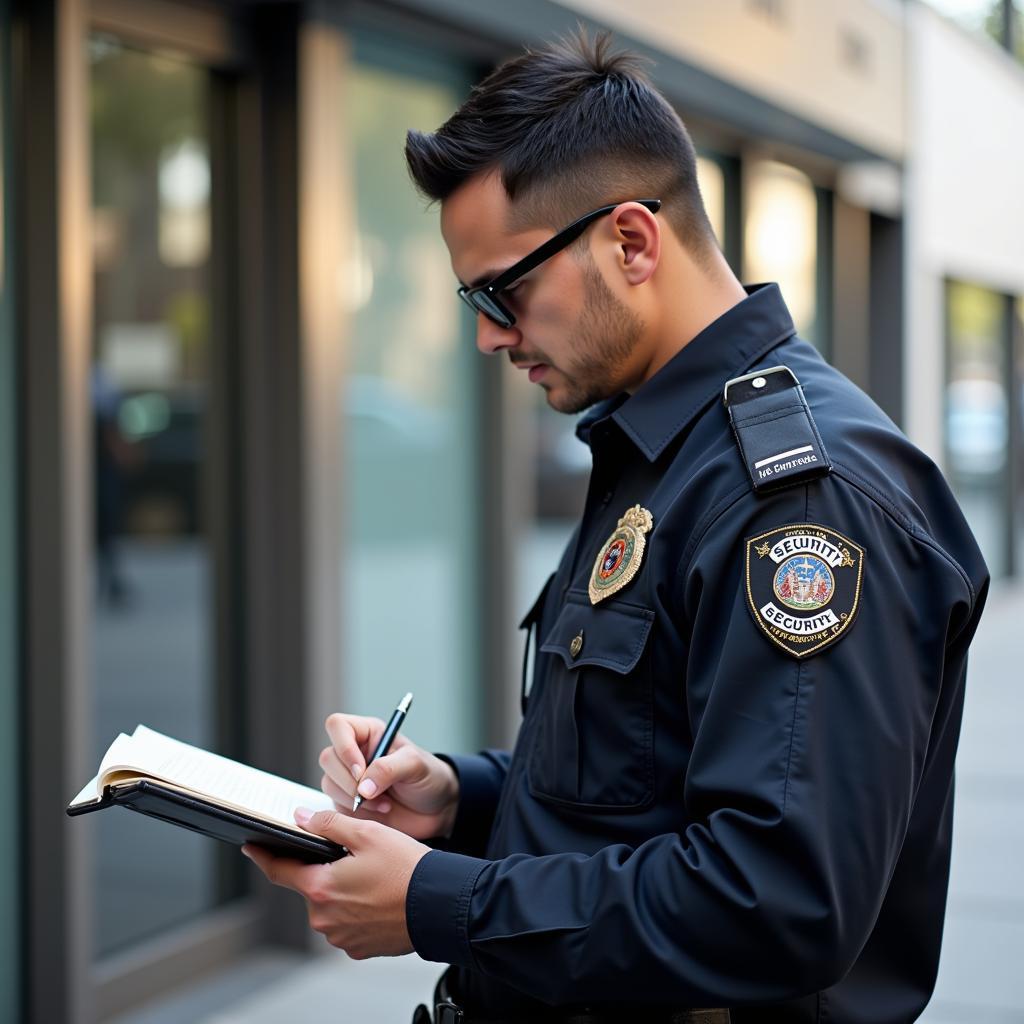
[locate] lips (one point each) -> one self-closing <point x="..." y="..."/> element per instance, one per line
<point x="535" y="368"/>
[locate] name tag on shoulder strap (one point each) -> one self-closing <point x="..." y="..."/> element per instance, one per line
<point x="773" y="426"/>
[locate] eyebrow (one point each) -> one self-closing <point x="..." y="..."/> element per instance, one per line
<point x="489" y="276"/>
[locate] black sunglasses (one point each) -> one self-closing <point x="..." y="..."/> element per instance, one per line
<point x="484" y="298"/>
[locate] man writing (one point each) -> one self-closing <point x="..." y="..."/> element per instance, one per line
<point x="732" y="787"/>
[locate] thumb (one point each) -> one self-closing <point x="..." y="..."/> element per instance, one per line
<point x="333" y="825"/>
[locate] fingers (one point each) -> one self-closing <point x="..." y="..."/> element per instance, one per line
<point x="353" y="738"/>
<point x="402" y="765"/>
<point x="338" y="773"/>
<point x="343" y="799"/>
<point x="335" y="792"/>
<point x="283" y="871"/>
<point x="340" y="828"/>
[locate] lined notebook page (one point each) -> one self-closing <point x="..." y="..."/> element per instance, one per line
<point x="229" y="782"/>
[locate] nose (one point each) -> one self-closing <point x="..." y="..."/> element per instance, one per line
<point x="491" y="339"/>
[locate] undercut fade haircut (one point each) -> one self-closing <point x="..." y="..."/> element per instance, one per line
<point x="569" y="128"/>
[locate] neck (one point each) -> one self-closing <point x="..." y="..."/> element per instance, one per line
<point x="691" y="298"/>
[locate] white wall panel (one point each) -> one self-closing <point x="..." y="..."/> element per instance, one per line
<point x="965" y="214"/>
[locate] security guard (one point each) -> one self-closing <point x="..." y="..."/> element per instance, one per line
<point x="732" y="788"/>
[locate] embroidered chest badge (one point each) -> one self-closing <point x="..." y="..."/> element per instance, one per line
<point x="621" y="555"/>
<point x="803" y="585"/>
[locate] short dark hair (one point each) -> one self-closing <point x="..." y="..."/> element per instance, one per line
<point x="569" y="128"/>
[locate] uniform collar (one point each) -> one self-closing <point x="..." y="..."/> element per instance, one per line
<point x="654" y="414"/>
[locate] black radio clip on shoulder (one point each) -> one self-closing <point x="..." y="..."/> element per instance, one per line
<point x="777" y="437"/>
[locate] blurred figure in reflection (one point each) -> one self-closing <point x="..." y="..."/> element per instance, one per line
<point x="114" y="456"/>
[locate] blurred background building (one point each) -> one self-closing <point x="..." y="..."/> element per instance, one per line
<point x="252" y="469"/>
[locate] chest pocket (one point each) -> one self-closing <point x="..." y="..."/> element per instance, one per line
<point x="594" y="734"/>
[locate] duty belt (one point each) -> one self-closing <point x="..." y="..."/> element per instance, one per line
<point x="447" y="1011"/>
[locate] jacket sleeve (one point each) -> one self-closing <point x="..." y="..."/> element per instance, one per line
<point x="798" y="793"/>
<point x="481" y="777"/>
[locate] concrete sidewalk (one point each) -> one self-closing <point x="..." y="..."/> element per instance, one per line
<point x="329" y="989"/>
<point x="980" y="974"/>
<point x="983" y="946"/>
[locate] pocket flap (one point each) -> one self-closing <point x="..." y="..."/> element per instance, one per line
<point x="611" y="634"/>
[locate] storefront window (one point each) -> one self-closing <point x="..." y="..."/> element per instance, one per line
<point x="411" y="497"/>
<point x="151" y="627"/>
<point x="780" y="238"/>
<point x="977" y="413"/>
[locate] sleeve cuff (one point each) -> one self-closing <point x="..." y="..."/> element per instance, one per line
<point x="437" y="906"/>
<point x="480" y="780"/>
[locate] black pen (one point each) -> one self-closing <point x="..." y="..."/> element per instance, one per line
<point x="390" y="732"/>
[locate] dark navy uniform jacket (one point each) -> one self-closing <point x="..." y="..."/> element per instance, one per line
<point x="694" y="816"/>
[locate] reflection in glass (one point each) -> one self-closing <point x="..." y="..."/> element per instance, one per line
<point x="151" y="641"/>
<point x="977" y="413"/>
<point x="780" y="236"/>
<point x="408" y="580"/>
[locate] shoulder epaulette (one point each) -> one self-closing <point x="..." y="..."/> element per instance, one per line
<point x="777" y="437"/>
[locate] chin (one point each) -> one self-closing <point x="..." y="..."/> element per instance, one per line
<point x="563" y="402"/>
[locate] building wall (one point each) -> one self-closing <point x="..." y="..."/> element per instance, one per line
<point x="965" y="219"/>
<point x="839" y="65"/>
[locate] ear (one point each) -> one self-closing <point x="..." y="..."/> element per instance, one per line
<point x="638" y="238"/>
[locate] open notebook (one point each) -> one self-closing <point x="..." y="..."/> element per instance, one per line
<point x="198" y="790"/>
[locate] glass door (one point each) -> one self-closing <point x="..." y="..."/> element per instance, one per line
<point x="154" y="411"/>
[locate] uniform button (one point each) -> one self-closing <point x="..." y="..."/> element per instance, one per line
<point x="577" y="644"/>
<point x="607" y="497"/>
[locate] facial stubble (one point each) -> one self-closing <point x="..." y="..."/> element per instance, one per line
<point x="603" y="339"/>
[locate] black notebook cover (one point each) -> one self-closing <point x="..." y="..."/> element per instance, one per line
<point x="210" y="819"/>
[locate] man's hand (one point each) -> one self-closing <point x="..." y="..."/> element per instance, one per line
<point x="409" y="789"/>
<point x="358" y="902"/>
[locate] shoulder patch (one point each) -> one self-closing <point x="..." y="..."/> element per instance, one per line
<point x="803" y="585"/>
